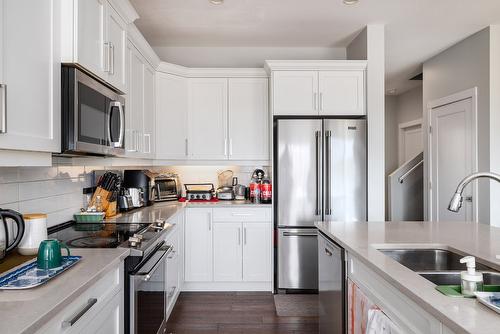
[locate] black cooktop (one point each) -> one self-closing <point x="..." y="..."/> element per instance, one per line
<point x="94" y="235"/>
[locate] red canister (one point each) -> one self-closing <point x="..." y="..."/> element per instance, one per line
<point x="266" y="191"/>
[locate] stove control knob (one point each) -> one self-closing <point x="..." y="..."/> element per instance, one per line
<point x="160" y="222"/>
<point x="134" y="241"/>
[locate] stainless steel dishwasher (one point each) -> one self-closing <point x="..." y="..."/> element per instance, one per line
<point x="332" y="287"/>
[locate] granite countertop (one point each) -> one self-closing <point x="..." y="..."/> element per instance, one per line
<point x="25" y="311"/>
<point x="462" y="315"/>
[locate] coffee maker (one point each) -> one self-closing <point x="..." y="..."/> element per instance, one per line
<point x="137" y="185"/>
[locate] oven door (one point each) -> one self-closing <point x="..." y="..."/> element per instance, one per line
<point x="147" y="293"/>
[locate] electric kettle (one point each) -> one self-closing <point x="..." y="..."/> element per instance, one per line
<point x="17" y="218"/>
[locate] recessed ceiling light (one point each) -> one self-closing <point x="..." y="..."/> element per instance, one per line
<point x="350" y="2"/>
<point x="216" y="2"/>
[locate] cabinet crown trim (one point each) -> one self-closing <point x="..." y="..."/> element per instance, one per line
<point x="125" y="9"/>
<point x="192" y="72"/>
<point x="314" y="65"/>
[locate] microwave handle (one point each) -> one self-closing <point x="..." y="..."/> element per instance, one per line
<point x="122" y="124"/>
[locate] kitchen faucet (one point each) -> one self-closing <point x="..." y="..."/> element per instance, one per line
<point x="456" y="200"/>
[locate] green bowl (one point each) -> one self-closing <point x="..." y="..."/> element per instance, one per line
<point x="92" y="217"/>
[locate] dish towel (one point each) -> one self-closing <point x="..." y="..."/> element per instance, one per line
<point x="379" y="323"/>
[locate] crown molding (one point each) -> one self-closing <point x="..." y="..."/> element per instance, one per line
<point x="311" y="65"/>
<point x="126" y="10"/>
<point x="136" y="37"/>
<point x="212" y="72"/>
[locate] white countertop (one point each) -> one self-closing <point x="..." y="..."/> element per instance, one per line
<point x="461" y="315"/>
<point x="25" y="311"/>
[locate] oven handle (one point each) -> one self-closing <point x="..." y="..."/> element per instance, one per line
<point x="147" y="276"/>
<point x="119" y="143"/>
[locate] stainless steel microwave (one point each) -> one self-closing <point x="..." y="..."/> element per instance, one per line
<point x="93" y="116"/>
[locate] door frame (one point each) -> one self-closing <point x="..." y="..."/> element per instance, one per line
<point x="433" y="104"/>
<point x="401" y="132"/>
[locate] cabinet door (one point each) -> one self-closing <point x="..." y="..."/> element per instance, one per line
<point x="31" y="78"/>
<point x="116" y="43"/>
<point x="295" y="92"/>
<point x="109" y="320"/>
<point x="135" y="104"/>
<point x="172" y="269"/>
<point x="248" y="119"/>
<point x="341" y="93"/>
<point x="90" y="36"/>
<point x="207" y="119"/>
<point x="171" y="117"/>
<point x="227" y="252"/>
<point x="198" y="245"/>
<point x="149" y="111"/>
<point x="257" y="247"/>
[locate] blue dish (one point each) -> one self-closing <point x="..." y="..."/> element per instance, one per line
<point x="29" y="275"/>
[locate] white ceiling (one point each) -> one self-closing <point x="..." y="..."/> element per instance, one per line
<point x="415" y="29"/>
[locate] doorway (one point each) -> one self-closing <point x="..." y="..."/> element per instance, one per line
<point x="452" y="152"/>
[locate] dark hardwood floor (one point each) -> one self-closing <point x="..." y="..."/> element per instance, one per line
<point x="234" y="313"/>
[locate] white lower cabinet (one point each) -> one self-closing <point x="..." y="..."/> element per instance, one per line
<point x="228" y="249"/>
<point x="99" y="309"/>
<point x="198" y="245"/>
<point x="173" y="275"/>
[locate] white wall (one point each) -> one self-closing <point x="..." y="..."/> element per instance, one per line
<point x="391" y="142"/>
<point x="495" y="121"/>
<point x="461" y="67"/>
<point x="410" y="105"/>
<point x="242" y="56"/>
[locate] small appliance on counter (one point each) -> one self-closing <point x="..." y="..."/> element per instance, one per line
<point x="137" y="182"/>
<point x="35" y="232"/>
<point x="199" y="191"/>
<point x="225" y="190"/>
<point x="164" y="187"/>
<point x="125" y="202"/>
<point x="239" y="190"/>
<point x="6" y="245"/>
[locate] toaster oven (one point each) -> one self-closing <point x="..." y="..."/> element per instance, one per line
<point x="165" y="189"/>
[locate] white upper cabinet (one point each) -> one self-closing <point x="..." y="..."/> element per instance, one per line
<point x="341" y="93"/>
<point x="248" y="119"/>
<point x="207" y="119"/>
<point x="30" y="75"/>
<point x="115" y="48"/>
<point x="149" y="111"/>
<point x="171" y="116"/>
<point x="94" y="36"/>
<point x="318" y="88"/>
<point x="295" y="92"/>
<point x="134" y="143"/>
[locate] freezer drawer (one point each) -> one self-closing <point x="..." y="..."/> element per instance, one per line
<point x="298" y="259"/>
<point x="332" y="287"/>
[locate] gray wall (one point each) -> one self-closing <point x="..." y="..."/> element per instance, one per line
<point x="243" y="56"/>
<point x="391" y="142"/>
<point x="461" y="67"/>
<point x="410" y="105"/>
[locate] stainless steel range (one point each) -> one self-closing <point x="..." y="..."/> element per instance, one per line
<point x="145" y="281"/>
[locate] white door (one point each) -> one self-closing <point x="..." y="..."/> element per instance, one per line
<point x="31" y="75"/>
<point x="453" y="156"/>
<point x="198" y="245"/>
<point x="171" y="117"/>
<point x="295" y="93"/>
<point x="134" y="110"/>
<point x="341" y="93"/>
<point x="207" y="119"/>
<point x="248" y="119"/>
<point x="410" y="141"/>
<point x="149" y="111"/>
<point x="227" y="252"/>
<point x="257" y="263"/>
<point x="90" y="36"/>
<point x="116" y="37"/>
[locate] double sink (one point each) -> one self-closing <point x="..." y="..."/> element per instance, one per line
<point x="440" y="266"/>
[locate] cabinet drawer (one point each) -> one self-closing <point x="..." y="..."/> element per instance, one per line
<point x="241" y="214"/>
<point x="91" y="301"/>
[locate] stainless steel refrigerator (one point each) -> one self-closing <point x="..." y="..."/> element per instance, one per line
<point x="320" y="174"/>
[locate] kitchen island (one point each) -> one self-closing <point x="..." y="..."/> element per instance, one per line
<point x="409" y="299"/>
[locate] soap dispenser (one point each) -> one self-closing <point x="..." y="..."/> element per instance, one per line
<point x="472" y="281"/>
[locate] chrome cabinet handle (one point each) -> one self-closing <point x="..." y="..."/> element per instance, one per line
<point x="315" y="101"/>
<point x="299" y="234"/>
<point x="68" y="323"/>
<point x="148" y="136"/>
<point x="230" y="146"/>
<point x="225" y="146"/>
<point x="106" y="57"/>
<point x="3" y="108"/>
<point x="321" y="101"/>
<point x="244" y="235"/>
<point x="112" y="58"/>
<point x="186" y="147"/>
<point x="242" y="214"/>
<point x="239" y="236"/>
<point x="172" y="291"/>
<point x="327" y="252"/>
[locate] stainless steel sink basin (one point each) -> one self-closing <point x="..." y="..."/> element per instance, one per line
<point x="444" y="278"/>
<point x="430" y="259"/>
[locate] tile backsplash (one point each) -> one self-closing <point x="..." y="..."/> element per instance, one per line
<point x="56" y="191"/>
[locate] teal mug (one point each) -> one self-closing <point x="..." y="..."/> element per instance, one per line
<point x="49" y="254"/>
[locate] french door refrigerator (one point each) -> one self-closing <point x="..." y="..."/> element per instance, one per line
<point x="320" y="171"/>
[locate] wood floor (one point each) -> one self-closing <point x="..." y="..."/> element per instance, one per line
<point x="234" y="313"/>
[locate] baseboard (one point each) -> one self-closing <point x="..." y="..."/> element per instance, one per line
<point x="227" y="286"/>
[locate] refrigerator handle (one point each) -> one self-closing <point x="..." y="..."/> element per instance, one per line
<point x="318" y="173"/>
<point x="328" y="172"/>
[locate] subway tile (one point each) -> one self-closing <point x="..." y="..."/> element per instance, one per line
<point x="28" y="174"/>
<point x="51" y="204"/>
<point x="9" y="174"/>
<point x="41" y="189"/>
<point x="9" y="193"/>
<point x="68" y="172"/>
